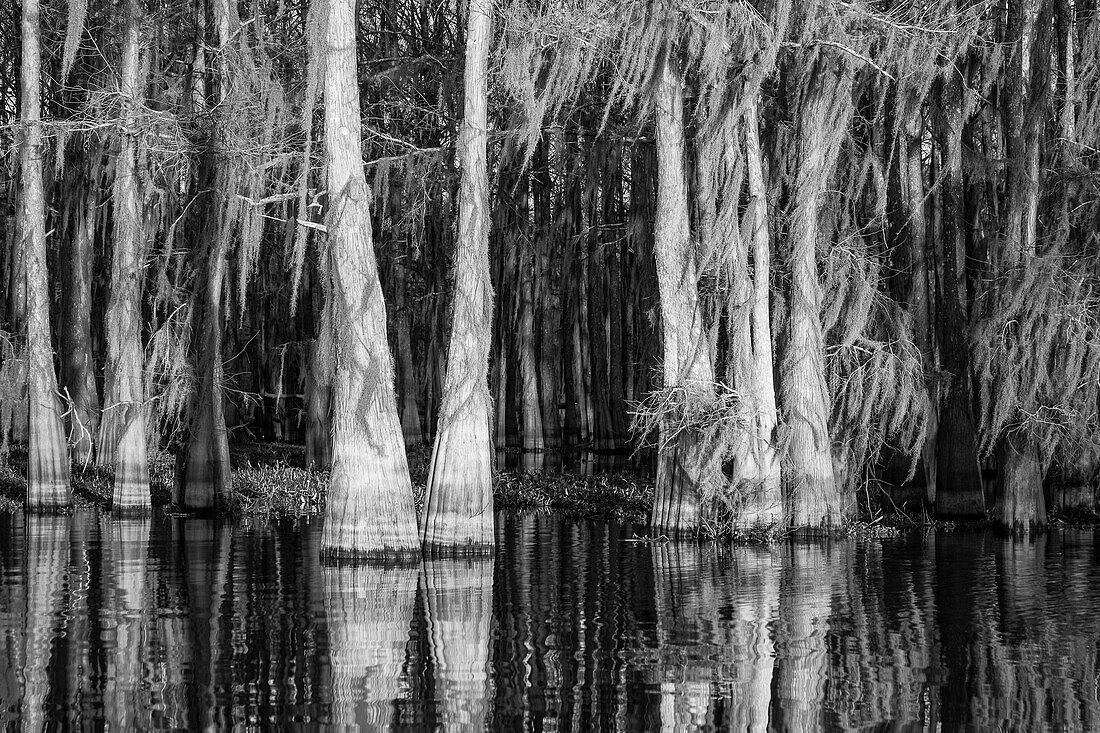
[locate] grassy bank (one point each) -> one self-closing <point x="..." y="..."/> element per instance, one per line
<point x="270" y="481"/>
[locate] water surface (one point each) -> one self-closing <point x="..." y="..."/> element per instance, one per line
<point x="187" y="624"/>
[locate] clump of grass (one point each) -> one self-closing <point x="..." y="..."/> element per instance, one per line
<point x="246" y="454"/>
<point x="616" y="496"/>
<point x="276" y="490"/>
<point x="13" y="488"/>
<point x="92" y="485"/>
<point x="1077" y="516"/>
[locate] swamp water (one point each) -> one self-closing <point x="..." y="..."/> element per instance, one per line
<point x="189" y="624"/>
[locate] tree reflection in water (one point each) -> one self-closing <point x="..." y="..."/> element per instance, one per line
<point x="369" y="610"/>
<point x="458" y="595"/>
<point x="191" y="624"/>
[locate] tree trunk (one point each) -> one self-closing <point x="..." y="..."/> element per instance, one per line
<point x="410" y="408"/>
<point x="547" y="301"/>
<point x="318" y="383"/>
<point x="458" y="505"/>
<point x="765" y="504"/>
<point x="369" y="512"/>
<point x="815" y="496"/>
<point x="688" y="363"/>
<point x="530" y="404"/>
<point x="1021" y="505"/>
<point x="78" y="375"/>
<point x="958" y="477"/>
<point x="48" y="456"/>
<point x="919" y="301"/>
<point x="207" y="477"/>
<point x="318" y="411"/>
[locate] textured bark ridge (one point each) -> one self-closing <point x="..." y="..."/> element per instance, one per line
<point x="122" y="442"/>
<point x="762" y="503"/>
<point x="48" y="470"/>
<point x="77" y="368"/>
<point x="458" y="599"/>
<point x="688" y="361"/>
<point x="369" y="512"/>
<point x="458" y="505"/>
<point x="1021" y="505"/>
<point x="814" y="494"/>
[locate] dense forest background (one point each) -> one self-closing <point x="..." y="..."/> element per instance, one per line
<point x="811" y="254"/>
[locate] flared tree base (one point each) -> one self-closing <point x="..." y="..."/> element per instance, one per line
<point x="675" y="510"/>
<point x="131" y="485"/>
<point x="458" y="505"/>
<point x="1021" y="506"/>
<point x="48" y="470"/>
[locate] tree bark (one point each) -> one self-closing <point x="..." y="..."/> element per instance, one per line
<point x="815" y="496"/>
<point x="765" y="503"/>
<point x="530" y="403"/>
<point x="208" y="475"/>
<point x="458" y="505"/>
<point x="48" y="456"/>
<point x="958" y="476"/>
<point x="78" y="375"/>
<point x="410" y="408"/>
<point x="1021" y="504"/>
<point x="547" y="301"/>
<point x="687" y="360"/>
<point x="369" y="512"/>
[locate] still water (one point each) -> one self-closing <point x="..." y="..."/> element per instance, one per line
<point x="188" y="624"/>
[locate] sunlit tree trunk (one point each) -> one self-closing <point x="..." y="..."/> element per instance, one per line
<point x="458" y="506"/>
<point x="369" y="511"/>
<point x="77" y="375"/>
<point x="122" y="441"/>
<point x="688" y="363"/>
<point x="815" y="496"/>
<point x="765" y="504"/>
<point x="48" y="459"/>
